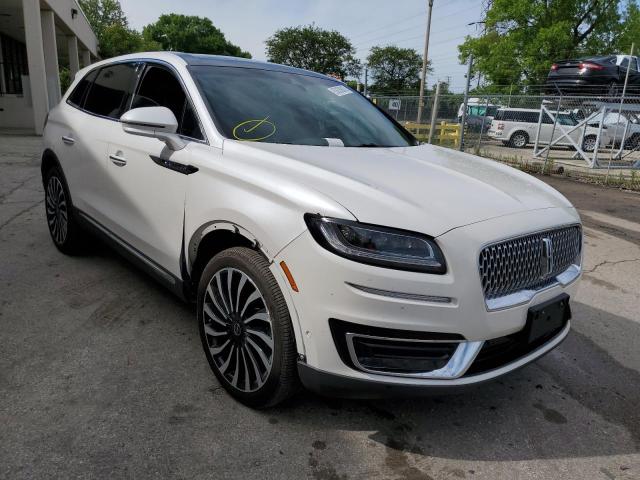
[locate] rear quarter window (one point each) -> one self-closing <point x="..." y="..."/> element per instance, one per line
<point x="76" y="98"/>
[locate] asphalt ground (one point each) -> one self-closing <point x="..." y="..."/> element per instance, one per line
<point x="102" y="376"/>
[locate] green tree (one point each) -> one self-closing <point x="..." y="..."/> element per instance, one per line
<point x="629" y="29"/>
<point x="312" y="48"/>
<point x="119" y="40"/>
<point x="103" y="14"/>
<point x="190" y="34"/>
<point x="522" y="38"/>
<point x="111" y="27"/>
<point x="395" y="69"/>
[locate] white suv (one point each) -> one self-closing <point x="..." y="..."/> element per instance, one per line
<point x="320" y="242"/>
<point x="518" y="127"/>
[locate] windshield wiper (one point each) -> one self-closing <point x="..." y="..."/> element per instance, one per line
<point x="369" y="145"/>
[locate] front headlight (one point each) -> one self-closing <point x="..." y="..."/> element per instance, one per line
<point x="374" y="245"/>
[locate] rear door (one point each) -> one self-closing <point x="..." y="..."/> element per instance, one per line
<point x="147" y="196"/>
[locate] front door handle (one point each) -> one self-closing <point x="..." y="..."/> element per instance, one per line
<point x="68" y="140"/>
<point x="118" y="160"/>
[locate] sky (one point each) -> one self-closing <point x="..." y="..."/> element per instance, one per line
<point x="365" y="23"/>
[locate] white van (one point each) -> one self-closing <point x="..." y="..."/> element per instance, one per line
<point x="517" y="127"/>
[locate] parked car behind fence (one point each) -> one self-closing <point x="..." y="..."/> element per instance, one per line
<point x="518" y="127"/>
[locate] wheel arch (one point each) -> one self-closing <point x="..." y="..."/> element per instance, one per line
<point x="216" y="236"/>
<point x="212" y="238"/>
<point x="49" y="159"/>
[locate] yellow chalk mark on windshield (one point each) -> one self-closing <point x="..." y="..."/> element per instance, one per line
<point x="266" y="129"/>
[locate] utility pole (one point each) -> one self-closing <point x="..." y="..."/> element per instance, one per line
<point x="464" y="107"/>
<point x="423" y="77"/>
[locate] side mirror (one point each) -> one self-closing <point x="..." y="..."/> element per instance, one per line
<point x="155" y="122"/>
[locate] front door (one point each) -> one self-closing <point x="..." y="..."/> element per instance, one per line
<point x="147" y="200"/>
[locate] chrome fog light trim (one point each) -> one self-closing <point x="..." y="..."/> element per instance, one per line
<point x="457" y="365"/>
<point x="401" y="295"/>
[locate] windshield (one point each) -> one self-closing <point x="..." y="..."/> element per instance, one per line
<point x="249" y="104"/>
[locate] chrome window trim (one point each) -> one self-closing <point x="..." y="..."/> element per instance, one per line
<point x="144" y="61"/>
<point x="457" y="365"/>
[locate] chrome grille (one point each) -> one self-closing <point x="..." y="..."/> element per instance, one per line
<point x="518" y="264"/>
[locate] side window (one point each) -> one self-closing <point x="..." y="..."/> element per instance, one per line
<point x="110" y="93"/>
<point x="624" y="63"/>
<point x="499" y="115"/>
<point x="509" y="116"/>
<point x="77" y="96"/>
<point x="160" y="88"/>
<point x="546" y="119"/>
<point x="533" y="117"/>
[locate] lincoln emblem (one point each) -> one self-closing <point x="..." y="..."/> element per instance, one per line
<point x="546" y="259"/>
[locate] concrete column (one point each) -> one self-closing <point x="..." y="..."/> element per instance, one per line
<point x="50" y="56"/>
<point x="86" y="58"/>
<point x="3" y="86"/>
<point x="35" y="61"/>
<point x="74" y="61"/>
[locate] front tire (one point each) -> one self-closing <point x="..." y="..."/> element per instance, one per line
<point x="246" y="329"/>
<point x="65" y="231"/>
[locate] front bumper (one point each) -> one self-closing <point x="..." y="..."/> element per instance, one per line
<point x="330" y="287"/>
<point x="347" y="386"/>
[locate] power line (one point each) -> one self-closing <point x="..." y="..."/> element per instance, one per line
<point x="363" y="42"/>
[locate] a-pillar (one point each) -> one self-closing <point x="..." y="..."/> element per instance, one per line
<point x="50" y="56"/>
<point x="35" y="61"/>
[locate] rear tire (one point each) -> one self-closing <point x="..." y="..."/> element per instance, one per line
<point x="66" y="233"/>
<point x="519" y="140"/>
<point x="589" y="143"/>
<point x="246" y="329"/>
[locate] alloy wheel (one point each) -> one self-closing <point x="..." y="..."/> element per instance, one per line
<point x="56" y="209"/>
<point x="589" y="144"/>
<point x="238" y="329"/>
<point x="519" y="140"/>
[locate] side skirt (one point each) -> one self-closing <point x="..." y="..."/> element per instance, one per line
<point x="135" y="256"/>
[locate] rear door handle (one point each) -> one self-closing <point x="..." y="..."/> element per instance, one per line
<point x="68" y="140"/>
<point x="118" y="160"/>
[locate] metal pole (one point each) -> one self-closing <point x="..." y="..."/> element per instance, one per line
<point x="463" y="121"/>
<point x="553" y="132"/>
<point x="624" y="91"/>
<point x="366" y="81"/>
<point x="484" y="116"/>
<point x="423" y="77"/>
<point x="434" y="112"/>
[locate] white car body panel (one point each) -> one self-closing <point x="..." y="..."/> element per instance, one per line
<point x="262" y="191"/>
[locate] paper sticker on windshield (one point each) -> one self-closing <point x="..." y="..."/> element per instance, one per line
<point x="339" y="90"/>
<point x="254" y="130"/>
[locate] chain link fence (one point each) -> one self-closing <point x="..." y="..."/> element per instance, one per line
<point x="592" y="137"/>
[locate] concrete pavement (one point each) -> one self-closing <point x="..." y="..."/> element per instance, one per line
<point x="102" y="375"/>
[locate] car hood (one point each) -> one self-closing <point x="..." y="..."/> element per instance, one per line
<point x="425" y="188"/>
